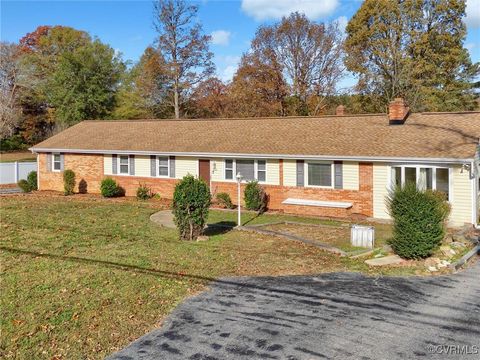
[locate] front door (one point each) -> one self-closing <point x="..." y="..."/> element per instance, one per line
<point x="204" y="170"/>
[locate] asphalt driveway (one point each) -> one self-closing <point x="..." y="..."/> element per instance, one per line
<point x="337" y="315"/>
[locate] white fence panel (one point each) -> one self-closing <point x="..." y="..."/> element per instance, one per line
<point x="11" y="173"/>
<point x="362" y="236"/>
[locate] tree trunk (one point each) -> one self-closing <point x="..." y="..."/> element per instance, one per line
<point x="175" y="101"/>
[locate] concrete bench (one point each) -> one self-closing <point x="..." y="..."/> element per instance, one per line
<point x="319" y="203"/>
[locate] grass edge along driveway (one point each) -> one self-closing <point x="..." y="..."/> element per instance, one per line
<point x="83" y="277"/>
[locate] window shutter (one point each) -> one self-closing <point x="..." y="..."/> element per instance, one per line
<point x="62" y="161"/>
<point x="49" y="161"/>
<point x="131" y="160"/>
<point x="153" y="165"/>
<point x="300" y="173"/>
<point x="338" y="165"/>
<point x="172" y="166"/>
<point x="114" y="164"/>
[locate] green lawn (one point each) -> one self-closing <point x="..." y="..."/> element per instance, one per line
<point x="83" y="277"/>
<point x="17" y="156"/>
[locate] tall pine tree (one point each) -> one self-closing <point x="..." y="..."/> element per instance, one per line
<point x="413" y="49"/>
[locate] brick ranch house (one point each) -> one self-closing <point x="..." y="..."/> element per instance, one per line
<point x="333" y="166"/>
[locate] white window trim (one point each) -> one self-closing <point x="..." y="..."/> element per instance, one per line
<point x="417" y="176"/>
<point x="255" y="170"/>
<point x="53" y="162"/>
<point x="305" y="174"/>
<point x="118" y="165"/>
<point x="157" y="164"/>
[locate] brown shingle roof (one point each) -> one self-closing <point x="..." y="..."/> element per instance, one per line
<point x="432" y="135"/>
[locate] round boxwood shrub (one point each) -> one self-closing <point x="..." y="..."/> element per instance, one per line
<point x="255" y="197"/>
<point x="144" y="192"/>
<point x="32" y="180"/>
<point x="191" y="201"/>
<point x="224" y="200"/>
<point x="419" y="219"/>
<point x="24" y="185"/>
<point x="109" y="188"/>
<point x="68" y="182"/>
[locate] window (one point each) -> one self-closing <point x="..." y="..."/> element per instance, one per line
<point x="57" y="162"/>
<point x="249" y="169"/>
<point x="123" y="165"/>
<point x="229" y="169"/>
<point x="426" y="178"/>
<point x="261" y="170"/>
<point x="163" y="166"/>
<point x="319" y="174"/>
<point x="442" y="181"/>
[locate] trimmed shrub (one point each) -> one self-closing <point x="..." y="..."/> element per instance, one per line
<point x="30" y="184"/>
<point x="191" y="201"/>
<point x="68" y="182"/>
<point x="419" y="220"/>
<point x="32" y="180"/>
<point x="110" y="188"/>
<point x="24" y="185"/>
<point x="224" y="200"/>
<point x="144" y="192"/>
<point x="255" y="197"/>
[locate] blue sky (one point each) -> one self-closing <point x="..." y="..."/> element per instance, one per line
<point x="127" y="25"/>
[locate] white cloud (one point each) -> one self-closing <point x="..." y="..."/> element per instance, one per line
<point x="227" y="65"/>
<point x="220" y="37"/>
<point x="470" y="46"/>
<point x="473" y="13"/>
<point x="275" y="9"/>
<point x="228" y="73"/>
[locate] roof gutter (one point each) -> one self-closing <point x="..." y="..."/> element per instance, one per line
<point x="260" y="156"/>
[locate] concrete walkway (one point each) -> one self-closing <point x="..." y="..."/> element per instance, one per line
<point x="328" y="316"/>
<point x="164" y="218"/>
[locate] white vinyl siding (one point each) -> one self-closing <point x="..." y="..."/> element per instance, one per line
<point x="462" y="201"/>
<point x="107" y="164"/>
<point x="142" y="166"/>
<point x="290" y="172"/>
<point x="351" y="175"/>
<point x="380" y="190"/>
<point x="217" y="168"/>
<point x="185" y="166"/>
<point x="273" y="172"/>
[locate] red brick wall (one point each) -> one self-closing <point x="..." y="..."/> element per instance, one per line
<point x="90" y="169"/>
<point x="361" y="199"/>
<point x="87" y="167"/>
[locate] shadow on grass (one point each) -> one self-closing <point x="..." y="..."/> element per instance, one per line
<point x="219" y="228"/>
<point x="351" y="290"/>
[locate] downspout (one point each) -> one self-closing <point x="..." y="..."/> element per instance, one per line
<point x="475" y="195"/>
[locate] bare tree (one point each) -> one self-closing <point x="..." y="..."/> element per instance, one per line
<point x="10" y="113"/>
<point x="185" y="50"/>
<point x="310" y="54"/>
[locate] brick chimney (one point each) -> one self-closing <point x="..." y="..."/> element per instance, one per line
<point x="340" y="110"/>
<point x="397" y="111"/>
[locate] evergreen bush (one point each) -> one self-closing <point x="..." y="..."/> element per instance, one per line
<point x="24" y="185"/>
<point x="419" y="220"/>
<point x="191" y="202"/>
<point x="255" y="197"/>
<point x="68" y="182"/>
<point x="32" y="180"/>
<point x="110" y="188"/>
